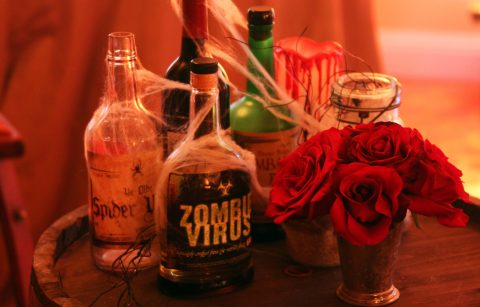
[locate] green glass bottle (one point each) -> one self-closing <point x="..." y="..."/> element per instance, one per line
<point x="256" y="129"/>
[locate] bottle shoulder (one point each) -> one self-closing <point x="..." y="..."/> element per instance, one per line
<point x="179" y="70"/>
<point x="119" y="126"/>
<point x="209" y="153"/>
<point x="249" y="115"/>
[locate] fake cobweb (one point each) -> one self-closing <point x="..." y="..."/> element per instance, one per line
<point x="304" y="73"/>
<point x="230" y="48"/>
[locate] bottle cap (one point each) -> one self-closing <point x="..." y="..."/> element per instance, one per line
<point x="203" y="73"/>
<point x="204" y="66"/>
<point x="121" y="46"/>
<point x="260" y="15"/>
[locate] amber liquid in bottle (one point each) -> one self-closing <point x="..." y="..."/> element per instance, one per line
<point x="176" y="102"/>
<point x="205" y="231"/>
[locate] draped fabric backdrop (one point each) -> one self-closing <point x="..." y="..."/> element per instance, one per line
<point x="52" y="76"/>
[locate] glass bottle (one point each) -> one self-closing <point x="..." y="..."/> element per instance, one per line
<point x="205" y="231"/>
<point x="176" y="102"/>
<point x="365" y="97"/>
<point x="256" y="129"/>
<point x="124" y="156"/>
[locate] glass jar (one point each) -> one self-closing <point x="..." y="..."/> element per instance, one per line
<point x="365" y="97"/>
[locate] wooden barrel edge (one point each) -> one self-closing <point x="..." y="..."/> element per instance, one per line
<point x="46" y="282"/>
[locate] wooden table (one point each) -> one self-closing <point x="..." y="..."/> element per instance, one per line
<point x="437" y="266"/>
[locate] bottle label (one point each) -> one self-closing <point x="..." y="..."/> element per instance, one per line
<point x="268" y="148"/>
<point x="122" y="197"/>
<point x="208" y="218"/>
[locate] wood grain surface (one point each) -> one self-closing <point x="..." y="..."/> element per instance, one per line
<point x="437" y="266"/>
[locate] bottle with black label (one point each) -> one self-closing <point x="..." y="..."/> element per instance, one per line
<point x="124" y="157"/>
<point x="176" y="102"/>
<point x="255" y="128"/>
<point x="205" y="224"/>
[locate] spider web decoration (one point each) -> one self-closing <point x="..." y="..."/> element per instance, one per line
<point x="302" y="83"/>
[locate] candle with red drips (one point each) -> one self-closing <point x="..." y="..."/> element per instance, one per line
<point x="305" y="69"/>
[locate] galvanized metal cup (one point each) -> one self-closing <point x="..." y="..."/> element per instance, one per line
<point x="368" y="271"/>
<point x="312" y="243"/>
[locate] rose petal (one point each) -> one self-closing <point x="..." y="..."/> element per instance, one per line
<point x="384" y="206"/>
<point x="362" y="234"/>
<point x="339" y="217"/>
<point x="446" y="214"/>
<point x="300" y="183"/>
<point x="458" y="219"/>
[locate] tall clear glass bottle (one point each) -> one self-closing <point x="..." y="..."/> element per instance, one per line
<point x="255" y="128"/>
<point x="176" y="102"/>
<point x="124" y="156"/>
<point x="205" y="227"/>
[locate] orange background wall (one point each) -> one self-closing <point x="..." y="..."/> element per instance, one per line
<point x="427" y="15"/>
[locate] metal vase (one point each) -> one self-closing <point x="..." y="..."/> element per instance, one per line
<point x="368" y="270"/>
<point x="312" y="243"/>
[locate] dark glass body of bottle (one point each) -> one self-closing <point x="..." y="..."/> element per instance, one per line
<point x="205" y="227"/>
<point x="176" y="102"/>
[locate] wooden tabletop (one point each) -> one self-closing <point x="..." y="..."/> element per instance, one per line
<point x="437" y="266"/>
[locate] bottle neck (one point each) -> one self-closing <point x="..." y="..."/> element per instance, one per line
<point x="191" y="48"/>
<point x="121" y="81"/>
<point x="195" y="27"/>
<point x="203" y="106"/>
<point x="260" y="41"/>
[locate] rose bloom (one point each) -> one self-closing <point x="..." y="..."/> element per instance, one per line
<point x="432" y="184"/>
<point x="383" y="143"/>
<point x="367" y="202"/>
<point x="301" y="187"/>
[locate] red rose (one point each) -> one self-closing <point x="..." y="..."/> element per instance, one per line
<point x="438" y="181"/>
<point x="383" y="143"/>
<point x="301" y="186"/>
<point x="432" y="184"/>
<point x="367" y="201"/>
<point x="437" y="158"/>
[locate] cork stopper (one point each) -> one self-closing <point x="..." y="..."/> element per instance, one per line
<point x="260" y="15"/>
<point x="203" y="73"/>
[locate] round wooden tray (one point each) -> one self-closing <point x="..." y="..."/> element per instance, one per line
<point x="437" y="266"/>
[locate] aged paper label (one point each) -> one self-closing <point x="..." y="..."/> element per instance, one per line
<point x="122" y="198"/>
